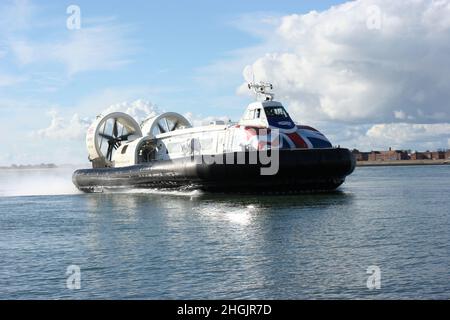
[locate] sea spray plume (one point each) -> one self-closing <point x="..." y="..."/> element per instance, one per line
<point x="34" y="182"/>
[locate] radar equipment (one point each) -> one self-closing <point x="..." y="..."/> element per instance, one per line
<point x="261" y="89"/>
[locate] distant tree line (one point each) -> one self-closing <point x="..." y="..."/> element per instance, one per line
<point x="31" y="166"/>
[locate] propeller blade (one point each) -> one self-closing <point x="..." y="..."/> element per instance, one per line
<point x="124" y="136"/>
<point x="106" y="136"/>
<point x="109" y="152"/>
<point x="115" y="130"/>
<point x="161" y="128"/>
<point x="175" y="125"/>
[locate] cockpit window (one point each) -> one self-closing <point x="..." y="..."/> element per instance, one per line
<point x="278" y="112"/>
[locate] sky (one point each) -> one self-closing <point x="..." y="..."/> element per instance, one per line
<point x="370" y="74"/>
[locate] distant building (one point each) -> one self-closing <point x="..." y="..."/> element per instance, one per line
<point x="395" y="155"/>
<point x="390" y="155"/>
<point x="360" y="156"/>
<point x="430" y="155"/>
<point x="438" y="155"/>
<point x="421" y="155"/>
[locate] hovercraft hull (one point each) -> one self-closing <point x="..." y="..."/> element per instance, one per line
<point x="299" y="170"/>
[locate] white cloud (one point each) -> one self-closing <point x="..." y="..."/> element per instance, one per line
<point x="62" y="129"/>
<point x="401" y="133"/>
<point x="74" y="127"/>
<point x="369" y="73"/>
<point x="428" y="136"/>
<point x="139" y="109"/>
<point x="399" y="115"/>
<point x="331" y="66"/>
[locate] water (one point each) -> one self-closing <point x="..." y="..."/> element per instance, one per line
<point x="157" y="245"/>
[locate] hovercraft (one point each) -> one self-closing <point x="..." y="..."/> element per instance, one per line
<point x="265" y="152"/>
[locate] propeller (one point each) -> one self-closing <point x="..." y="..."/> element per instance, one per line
<point x="106" y="136"/>
<point x="161" y="128"/>
<point x="115" y="131"/>
<point x="110" y="149"/>
<point x="175" y="125"/>
<point x="114" y="140"/>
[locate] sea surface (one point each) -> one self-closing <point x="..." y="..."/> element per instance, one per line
<point x="175" y="245"/>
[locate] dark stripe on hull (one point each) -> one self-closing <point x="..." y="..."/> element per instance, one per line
<point x="300" y="170"/>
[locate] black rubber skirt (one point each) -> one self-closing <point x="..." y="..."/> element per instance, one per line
<point x="299" y="170"/>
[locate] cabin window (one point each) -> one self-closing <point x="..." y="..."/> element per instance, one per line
<point x="277" y="112"/>
<point x="258" y="113"/>
<point x="124" y="149"/>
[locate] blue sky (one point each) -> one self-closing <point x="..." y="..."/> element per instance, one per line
<point x="167" y="45"/>
<point x="165" y="49"/>
<point x="327" y="60"/>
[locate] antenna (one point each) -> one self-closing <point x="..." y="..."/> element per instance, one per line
<point x="253" y="81"/>
<point x="260" y="89"/>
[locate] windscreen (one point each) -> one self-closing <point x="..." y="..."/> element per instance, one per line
<point x="278" y="112"/>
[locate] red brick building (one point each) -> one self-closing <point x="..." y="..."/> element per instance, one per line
<point x="428" y="155"/>
<point x="391" y="155"/>
<point x="438" y="155"/>
<point x="360" y="156"/>
<point x="421" y="155"/>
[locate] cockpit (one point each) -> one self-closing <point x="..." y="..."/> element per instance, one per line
<point x="267" y="114"/>
<point x="277" y="112"/>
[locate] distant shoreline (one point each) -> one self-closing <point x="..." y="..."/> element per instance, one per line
<point x="41" y="167"/>
<point x="30" y="166"/>
<point x="366" y="163"/>
<point x="401" y="163"/>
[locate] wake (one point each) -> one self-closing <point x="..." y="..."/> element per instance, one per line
<point x="36" y="182"/>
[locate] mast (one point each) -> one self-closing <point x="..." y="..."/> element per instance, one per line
<point x="261" y="89"/>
